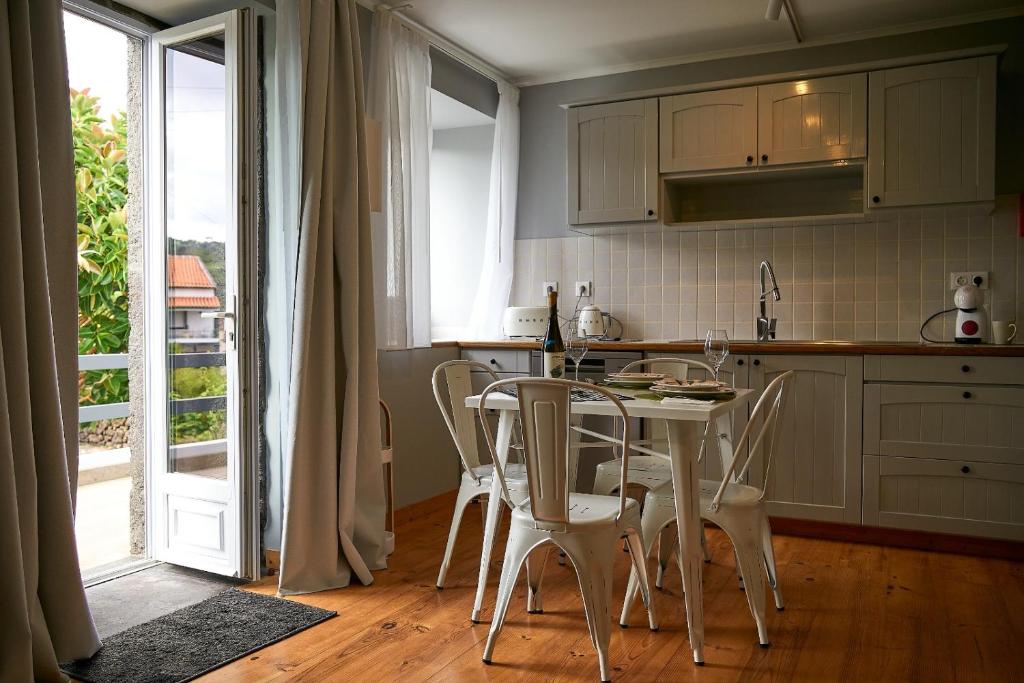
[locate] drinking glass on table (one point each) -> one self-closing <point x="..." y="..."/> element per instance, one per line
<point x="576" y="346"/>
<point x="716" y="348"/>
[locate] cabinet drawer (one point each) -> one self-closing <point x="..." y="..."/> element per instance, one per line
<point x="951" y="369"/>
<point x="500" y="360"/>
<point x="979" y="423"/>
<point x="968" y="498"/>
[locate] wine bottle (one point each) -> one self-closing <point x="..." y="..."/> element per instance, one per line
<point x="554" y="348"/>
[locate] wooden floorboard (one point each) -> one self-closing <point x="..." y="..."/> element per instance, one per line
<point x="854" y="612"/>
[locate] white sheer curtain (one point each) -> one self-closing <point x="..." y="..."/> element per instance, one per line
<point x="496" y="274"/>
<point x="399" y="98"/>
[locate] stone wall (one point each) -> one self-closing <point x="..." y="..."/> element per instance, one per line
<point x="136" y="300"/>
<point x="107" y="433"/>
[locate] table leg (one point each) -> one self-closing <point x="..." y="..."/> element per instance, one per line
<point x="683" y="441"/>
<point x="493" y="514"/>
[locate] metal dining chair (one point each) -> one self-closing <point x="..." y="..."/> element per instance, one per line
<point x="737" y="508"/>
<point x="587" y="527"/>
<point x="477" y="477"/>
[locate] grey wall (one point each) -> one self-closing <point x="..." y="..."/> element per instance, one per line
<point x="542" y="177"/>
<point x="426" y="463"/>
<point x="459" y="82"/>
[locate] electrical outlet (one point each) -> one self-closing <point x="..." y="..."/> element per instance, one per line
<point x="551" y="286"/>
<point x="978" y="278"/>
<point x="583" y="288"/>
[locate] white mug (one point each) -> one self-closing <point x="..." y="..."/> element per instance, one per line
<point x="1003" y="331"/>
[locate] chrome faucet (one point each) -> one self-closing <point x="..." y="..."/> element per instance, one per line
<point x="766" y="326"/>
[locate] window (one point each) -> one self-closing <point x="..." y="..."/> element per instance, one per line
<point x="460" y="170"/>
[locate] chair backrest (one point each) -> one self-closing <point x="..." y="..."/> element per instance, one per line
<point x="544" y="406"/>
<point x="764" y="418"/>
<point x="456" y="376"/>
<point x="679" y="367"/>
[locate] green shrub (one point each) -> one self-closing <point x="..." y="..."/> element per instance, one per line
<point x="101" y="186"/>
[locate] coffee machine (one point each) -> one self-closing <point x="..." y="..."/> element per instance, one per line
<point x="971" y="320"/>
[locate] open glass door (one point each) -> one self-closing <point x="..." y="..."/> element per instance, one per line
<point x="201" y="484"/>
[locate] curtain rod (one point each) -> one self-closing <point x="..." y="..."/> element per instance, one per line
<point x="440" y="42"/>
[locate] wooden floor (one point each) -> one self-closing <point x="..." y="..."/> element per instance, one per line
<point x="854" y="612"/>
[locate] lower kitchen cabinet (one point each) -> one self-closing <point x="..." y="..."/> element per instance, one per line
<point x="815" y="471"/>
<point x="947" y="496"/>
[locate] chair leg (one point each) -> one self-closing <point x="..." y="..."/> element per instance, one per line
<point x="750" y="558"/>
<point x="535" y="562"/>
<point x="465" y="496"/>
<point x="491" y="523"/>
<point x="520" y="543"/>
<point x="667" y="539"/>
<point x="636" y="553"/>
<point x="593" y="557"/>
<point x="768" y="554"/>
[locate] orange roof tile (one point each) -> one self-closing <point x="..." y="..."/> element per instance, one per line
<point x="193" y="302"/>
<point x="188" y="271"/>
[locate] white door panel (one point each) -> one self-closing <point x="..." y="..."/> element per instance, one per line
<point x="200" y="483"/>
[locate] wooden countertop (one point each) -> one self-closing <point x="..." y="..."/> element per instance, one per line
<point x="781" y="346"/>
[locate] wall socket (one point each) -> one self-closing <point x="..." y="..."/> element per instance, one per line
<point x="978" y="278"/>
<point x="583" y="288"/>
<point x="550" y="286"/>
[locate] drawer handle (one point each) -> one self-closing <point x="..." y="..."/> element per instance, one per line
<point x="965" y="368"/>
<point x="967" y="394"/>
<point x="965" y="469"/>
<point x="739" y="361"/>
<point x="757" y="361"/>
<point x="493" y="362"/>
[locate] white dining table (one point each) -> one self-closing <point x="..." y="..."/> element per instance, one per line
<point x="685" y="424"/>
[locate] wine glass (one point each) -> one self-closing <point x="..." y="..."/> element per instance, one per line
<point x="716" y="348"/>
<point x="576" y="345"/>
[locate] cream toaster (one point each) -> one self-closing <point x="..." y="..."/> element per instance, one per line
<point x="525" y="321"/>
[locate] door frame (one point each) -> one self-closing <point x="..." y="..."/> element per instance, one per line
<point x="239" y="30"/>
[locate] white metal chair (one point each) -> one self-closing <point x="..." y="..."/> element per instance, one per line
<point x="587" y="527"/>
<point x="477" y="478"/>
<point x="737" y="508"/>
<point x="652" y="469"/>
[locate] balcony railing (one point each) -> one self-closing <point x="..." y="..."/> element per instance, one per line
<point x="179" y="406"/>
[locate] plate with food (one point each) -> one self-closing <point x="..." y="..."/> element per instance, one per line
<point x="635" y="380"/>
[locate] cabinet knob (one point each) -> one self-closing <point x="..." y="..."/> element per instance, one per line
<point x="965" y="469"/>
<point x="876" y="199"/>
<point x="965" y="368"/>
<point x="967" y="394"/>
<point x="757" y="361"/>
<point x="739" y="361"/>
<point x="764" y="157"/>
<point x="650" y="212"/>
<point x="750" y="159"/>
<point x="493" y="361"/>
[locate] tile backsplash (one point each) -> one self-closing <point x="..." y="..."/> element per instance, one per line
<point x="871" y="279"/>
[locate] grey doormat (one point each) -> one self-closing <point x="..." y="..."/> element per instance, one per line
<point x="197" y="639"/>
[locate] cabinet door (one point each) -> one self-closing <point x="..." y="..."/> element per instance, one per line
<point x="932" y="133"/>
<point x="612" y="162"/>
<point x="968" y="498"/>
<point x="816" y="468"/>
<point x="707" y="130"/>
<point x="814" y="120"/>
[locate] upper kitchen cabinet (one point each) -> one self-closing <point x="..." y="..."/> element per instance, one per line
<point x="613" y="162"/>
<point x="820" y="119"/>
<point x="708" y="130"/>
<point x="932" y="133"/>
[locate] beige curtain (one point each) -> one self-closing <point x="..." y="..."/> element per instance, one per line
<point x="43" y="613"/>
<point x="334" y="505"/>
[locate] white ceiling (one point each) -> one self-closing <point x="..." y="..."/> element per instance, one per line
<point x="534" y="41"/>
<point x="174" y="12"/>
<point x="446" y="112"/>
